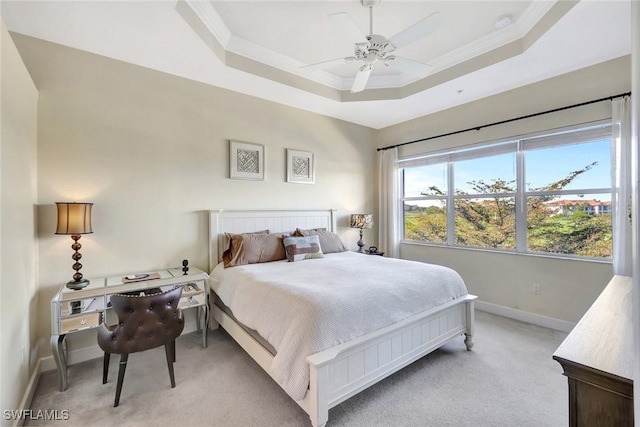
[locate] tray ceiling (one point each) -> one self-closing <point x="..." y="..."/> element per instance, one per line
<point x="259" y="47"/>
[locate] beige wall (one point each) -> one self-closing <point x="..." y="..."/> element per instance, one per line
<point x="18" y="247"/>
<point x="567" y="287"/>
<point x="151" y="151"/>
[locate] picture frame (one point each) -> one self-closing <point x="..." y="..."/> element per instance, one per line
<point x="246" y="160"/>
<point x="300" y="166"/>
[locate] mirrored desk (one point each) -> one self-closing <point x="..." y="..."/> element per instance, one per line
<point x="73" y="311"/>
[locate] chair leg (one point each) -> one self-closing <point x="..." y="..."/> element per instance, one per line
<point x="123" y="368"/>
<point x="169" y="354"/>
<point x="173" y="350"/>
<point x="105" y="367"/>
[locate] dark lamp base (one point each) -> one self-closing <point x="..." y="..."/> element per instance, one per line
<point x="77" y="285"/>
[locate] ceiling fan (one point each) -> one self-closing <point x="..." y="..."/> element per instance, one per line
<point x="374" y="48"/>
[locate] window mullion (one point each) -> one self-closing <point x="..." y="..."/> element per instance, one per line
<point x="521" y="201"/>
<point x="413" y="199"/>
<point x="582" y="191"/>
<point x="451" y="211"/>
<point x="485" y="195"/>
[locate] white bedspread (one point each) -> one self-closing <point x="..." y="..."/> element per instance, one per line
<point x="304" y="307"/>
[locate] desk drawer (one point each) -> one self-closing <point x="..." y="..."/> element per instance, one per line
<point x="82" y="321"/>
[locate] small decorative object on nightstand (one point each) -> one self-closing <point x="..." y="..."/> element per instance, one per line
<point x="361" y="221"/>
<point x="373" y="250"/>
<point x="75" y="219"/>
<point x="185" y="266"/>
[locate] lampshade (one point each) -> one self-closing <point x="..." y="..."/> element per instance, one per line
<point x="361" y="221"/>
<point x="74" y="218"/>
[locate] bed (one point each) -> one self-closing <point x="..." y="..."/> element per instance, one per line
<point x="356" y="360"/>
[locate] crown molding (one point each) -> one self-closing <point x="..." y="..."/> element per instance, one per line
<point x="211" y="19"/>
<point x="252" y="51"/>
<point x="534" y="13"/>
<point x="497" y="39"/>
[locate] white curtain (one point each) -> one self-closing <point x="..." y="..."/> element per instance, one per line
<point x="389" y="202"/>
<point x="621" y="197"/>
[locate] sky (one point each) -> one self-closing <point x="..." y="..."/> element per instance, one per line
<point x="542" y="167"/>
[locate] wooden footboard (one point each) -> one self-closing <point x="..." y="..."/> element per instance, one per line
<point x="344" y="370"/>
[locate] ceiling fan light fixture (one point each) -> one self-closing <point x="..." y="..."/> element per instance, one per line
<point x="374" y="48"/>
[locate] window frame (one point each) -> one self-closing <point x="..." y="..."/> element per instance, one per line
<point x="519" y="145"/>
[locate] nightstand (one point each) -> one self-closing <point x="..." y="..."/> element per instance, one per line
<point x="77" y="310"/>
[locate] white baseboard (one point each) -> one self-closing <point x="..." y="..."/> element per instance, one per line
<point x="25" y="403"/>
<point x="525" y="316"/>
<point x="92" y="352"/>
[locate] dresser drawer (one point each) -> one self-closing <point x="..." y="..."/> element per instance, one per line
<point x="82" y="321"/>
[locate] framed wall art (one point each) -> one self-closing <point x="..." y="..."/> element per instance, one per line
<point x="300" y="166"/>
<point x="246" y="160"/>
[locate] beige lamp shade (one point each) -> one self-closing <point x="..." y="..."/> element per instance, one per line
<point x="74" y="218"/>
<point x="361" y="221"/>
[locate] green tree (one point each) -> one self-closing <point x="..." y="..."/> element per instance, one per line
<point x="490" y="222"/>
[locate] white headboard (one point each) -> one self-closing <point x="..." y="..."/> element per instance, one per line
<point x="243" y="221"/>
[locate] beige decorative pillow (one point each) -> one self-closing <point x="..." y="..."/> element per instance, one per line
<point x="329" y="241"/>
<point x="229" y="236"/>
<point x="251" y="248"/>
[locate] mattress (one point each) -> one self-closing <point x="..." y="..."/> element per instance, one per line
<point x="256" y="336"/>
<point x="301" y="308"/>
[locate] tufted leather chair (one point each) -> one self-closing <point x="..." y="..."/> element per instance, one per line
<point x="144" y="322"/>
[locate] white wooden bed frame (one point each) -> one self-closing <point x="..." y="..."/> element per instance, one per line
<point x="346" y="369"/>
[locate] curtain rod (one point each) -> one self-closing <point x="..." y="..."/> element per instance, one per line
<point x="608" y="98"/>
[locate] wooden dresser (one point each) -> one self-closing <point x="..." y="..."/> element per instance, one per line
<point x="598" y="358"/>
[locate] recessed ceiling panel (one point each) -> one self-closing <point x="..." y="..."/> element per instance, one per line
<point x="299" y="38"/>
<point x="302" y="31"/>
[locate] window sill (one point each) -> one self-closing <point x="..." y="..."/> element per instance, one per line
<point x="505" y="252"/>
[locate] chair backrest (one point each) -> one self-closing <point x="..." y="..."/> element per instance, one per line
<point x="144" y="322"/>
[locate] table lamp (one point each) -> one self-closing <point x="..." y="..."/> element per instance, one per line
<point x="361" y="221"/>
<point x="75" y="219"/>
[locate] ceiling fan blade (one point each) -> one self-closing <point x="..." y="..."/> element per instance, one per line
<point x="362" y="77"/>
<point x="416" y="31"/>
<point x="344" y="22"/>
<point x="409" y="66"/>
<point x="323" y="64"/>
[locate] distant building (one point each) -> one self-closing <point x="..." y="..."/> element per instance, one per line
<point x="567" y="207"/>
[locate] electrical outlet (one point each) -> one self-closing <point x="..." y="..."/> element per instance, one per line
<point x="536" y="288"/>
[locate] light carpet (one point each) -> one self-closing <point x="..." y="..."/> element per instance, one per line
<point x="508" y="379"/>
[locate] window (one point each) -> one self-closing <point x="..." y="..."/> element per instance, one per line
<point x="472" y="197"/>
